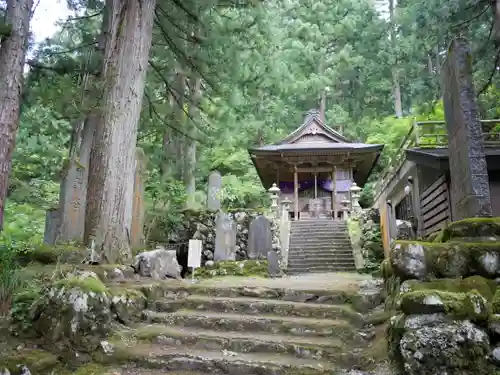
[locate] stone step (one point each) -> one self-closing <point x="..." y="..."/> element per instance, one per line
<point x="319" y="260"/>
<point x="320" y="269"/>
<point x="253" y="323"/>
<point x="184" y="358"/>
<point x="253" y="306"/>
<point x="319" y="245"/>
<point x="324" y="257"/>
<point x="324" y="292"/>
<point x="320" y="249"/>
<point x="311" y="265"/>
<point x="314" y="251"/>
<point x="318" y="222"/>
<point x="330" y="348"/>
<point x="311" y="238"/>
<point x="313" y="232"/>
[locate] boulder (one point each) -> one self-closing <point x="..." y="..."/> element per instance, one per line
<point x="127" y="305"/>
<point x="470" y="305"/>
<point x="408" y="260"/>
<point x="424" y="260"/>
<point x="157" y="264"/>
<point x="434" y="345"/>
<point x="76" y="311"/>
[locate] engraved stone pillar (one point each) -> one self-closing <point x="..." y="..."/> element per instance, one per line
<point x="469" y="185"/>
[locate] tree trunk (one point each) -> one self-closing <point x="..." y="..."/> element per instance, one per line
<point x="190" y="143"/>
<point x="495" y="5"/>
<point x="398" y="107"/>
<point x="12" y="55"/>
<point x="180" y="123"/>
<point x="112" y="161"/>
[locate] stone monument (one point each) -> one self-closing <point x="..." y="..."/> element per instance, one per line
<point x="469" y="184"/>
<point x="214" y="188"/>
<point x="260" y="240"/>
<point x="225" y="238"/>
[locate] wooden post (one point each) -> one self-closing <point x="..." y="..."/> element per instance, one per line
<point x="334" y="193"/>
<point x="315" y="185"/>
<point x="296" y="192"/>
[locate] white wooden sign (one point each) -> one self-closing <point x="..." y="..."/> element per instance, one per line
<point x="194" y="254"/>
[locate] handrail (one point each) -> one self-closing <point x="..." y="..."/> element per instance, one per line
<point x="434" y="139"/>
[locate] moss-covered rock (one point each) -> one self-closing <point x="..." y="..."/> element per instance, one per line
<point x="470" y="305"/>
<point x="234" y="268"/>
<point x="473" y="228"/>
<point x="408" y="260"/>
<point x="425" y="260"/>
<point x="432" y="344"/>
<point x="127" y="305"/>
<point x="74" y="312"/>
<point x="484" y="286"/>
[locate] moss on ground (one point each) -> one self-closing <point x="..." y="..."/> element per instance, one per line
<point x="52" y="254"/>
<point x="234" y="268"/>
<point x="89" y="284"/>
<point x="37" y="360"/>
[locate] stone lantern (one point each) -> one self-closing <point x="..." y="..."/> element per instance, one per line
<point x="345" y="207"/>
<point x="355" y="190"/>
<point x="285" y="206"/>
<point x="274" y="192"/>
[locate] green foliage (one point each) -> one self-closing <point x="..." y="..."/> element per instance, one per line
<point x="10" y="281"/>
<point x="371" y="242"/>
<point x="262" y="67"/>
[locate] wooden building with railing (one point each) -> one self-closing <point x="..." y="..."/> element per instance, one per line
<point x="315" y="167"/>
<point x="416" y="185"/>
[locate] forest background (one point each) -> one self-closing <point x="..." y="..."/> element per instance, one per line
<point x="224" y="76"/>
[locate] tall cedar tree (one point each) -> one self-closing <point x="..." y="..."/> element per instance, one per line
<point x="13" y="46"/>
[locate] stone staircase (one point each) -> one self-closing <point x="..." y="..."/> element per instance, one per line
<point x="319" y="245"/>
<point x="246" y="330"/>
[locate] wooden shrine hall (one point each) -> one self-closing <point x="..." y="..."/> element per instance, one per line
<point x="315" y="167"/>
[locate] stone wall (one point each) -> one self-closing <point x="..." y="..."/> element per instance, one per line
<point x="446" y="301"/>
<point x="202" y="225"/>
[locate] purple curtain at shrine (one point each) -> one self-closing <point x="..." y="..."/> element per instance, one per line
<point x="327" y="185"/>
<point x="287" y="187"/>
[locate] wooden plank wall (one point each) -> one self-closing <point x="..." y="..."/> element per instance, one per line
<point x="435" y="206"/>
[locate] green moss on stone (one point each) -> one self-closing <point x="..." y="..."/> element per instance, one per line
<point x="470" y="305"/>
<point x="449" y="259"/>
<point x="472" y="228"/>
<point x="495" y="303"/>
<point x="483" y="286"/>
<point x="234" y="268"/>
<point x="89" y="284"/>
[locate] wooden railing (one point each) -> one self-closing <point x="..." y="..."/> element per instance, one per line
<point x="431" y="134"/>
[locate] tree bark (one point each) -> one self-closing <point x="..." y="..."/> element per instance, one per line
<point x="190" y="143"/>
<point x="12" y="55"/>
<point x="398" y="106"/>
<point x="112" y="161"/>
<point x="495" y="5"/>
